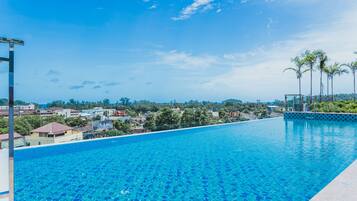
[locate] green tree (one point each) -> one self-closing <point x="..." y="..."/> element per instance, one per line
<point x="322" y="59"/>
<point x="201" y="117"/>
<point x="167" y="119"/>
<point x="298" y="69"/>
<point x="332" y="71"/>
<point x="76" y="122"/>
<point x="310" y="59"/>
<point x="3" y="125"/>
<point x="111" y="133"/>
<point x="224" y="115"/>
<point x="125" y="101"/>
<point x="34" y="120"/>
<point x="188" y="118"/>
<point x="353" y="68"/>
<point x="150" y="122"/>
<point x="55" y="118"/>
<point x="123" y="126"/>
<point x="22" y="126"/>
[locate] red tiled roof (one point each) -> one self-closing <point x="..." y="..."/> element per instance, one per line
<point x="5" y="137"/>
<point x="52" y="128"/>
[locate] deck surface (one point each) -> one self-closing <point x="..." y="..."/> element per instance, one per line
<point x="342" y="188"/>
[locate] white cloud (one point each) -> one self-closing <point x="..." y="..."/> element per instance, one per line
<point x="190" y="10"/>
<point x="152" y="7"/>
<point x="258" y="73"/>
<point x="183" y="60"/>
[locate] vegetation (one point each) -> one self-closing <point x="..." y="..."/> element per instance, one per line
<point x="111" y="133"/>
<point x="332" y="71"/>
<point x="322" y="60"/>
<point x="123" y="126"/>
<point x="167" y="119"/>
<point x="298" y="69"/>
<point x="150" y="123"/>
<point x="353" y="68"/>
<point x="310" y="59"/>
<point x="76" y="122"/>
<point x="25" y="124"/>
<point x="337" y="106"/>
<point x="317" y="59"/>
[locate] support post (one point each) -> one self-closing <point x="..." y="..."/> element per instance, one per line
<point x="11" y="122"/>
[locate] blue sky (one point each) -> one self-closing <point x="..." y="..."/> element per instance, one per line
<point x="170" y="50"/>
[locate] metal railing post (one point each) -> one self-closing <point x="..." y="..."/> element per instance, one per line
<point x="11" y="122"/>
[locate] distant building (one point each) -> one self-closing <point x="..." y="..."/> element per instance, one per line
<point x="274" y="108"/>
<point x="19" y="140"/>
<point x="139" y="120"/>
<point x="177" y="109"/>
<point x="139" y="129"/>
<point x="18" y="109"/>
<point x="234" y="114"/>
<point x="120" y="113"/>
<point x="102" y="125"/>
<point x="98" y="111"/>
<point x="124" y="118"/>
<point x="66" y="113"/>
<point x="53" y="133"/>
<point x="44" y="113"/>
<point x="215" y="114"/>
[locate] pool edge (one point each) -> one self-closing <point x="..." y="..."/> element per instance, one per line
<point x="341" y="188"/>
<point x="146" y="133"/>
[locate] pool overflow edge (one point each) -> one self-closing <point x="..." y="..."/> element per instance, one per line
<point x="146" y="133"/>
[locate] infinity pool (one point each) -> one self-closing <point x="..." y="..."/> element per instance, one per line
<point x="261" y="160"/>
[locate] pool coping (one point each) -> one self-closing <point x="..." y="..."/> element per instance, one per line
<point x="341" y="188"/>
<point x="146" y="133"/>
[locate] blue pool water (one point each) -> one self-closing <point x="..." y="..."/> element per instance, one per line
<point x="263" y="160"/>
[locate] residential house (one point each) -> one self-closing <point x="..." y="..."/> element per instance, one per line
<point x="102" y="125"/>
<point x="19" y="140"/>
<point x="66" y="113"/>
<point x="53" y="133"/>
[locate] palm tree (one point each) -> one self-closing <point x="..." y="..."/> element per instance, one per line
<point x="326" y="71"/>
<point x="298" y="69"/>
<point x="309" y="59"/>
<point x="322" y="59"/>
<point x="353" y="68"/>
<point x="332" y="71"/>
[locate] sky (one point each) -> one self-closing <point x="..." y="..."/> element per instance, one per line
<point x="162" y="50"/>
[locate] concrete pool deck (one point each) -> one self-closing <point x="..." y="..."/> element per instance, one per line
<point x="342" y="188"/>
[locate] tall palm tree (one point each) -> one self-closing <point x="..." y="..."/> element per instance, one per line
<point x="322" y="59"/>
<point x="332" y="71"/>
<point x="326" y="71"/>
<point x="353" y="68"/>
<point x="298" y="69"/>
<point x="309" y="59"/>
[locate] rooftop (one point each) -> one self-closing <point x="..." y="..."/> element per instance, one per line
<point x="52" y="128"/>
<point x="5" y="137"/>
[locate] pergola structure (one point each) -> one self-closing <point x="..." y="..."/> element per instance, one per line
<point x="294" y="102"/>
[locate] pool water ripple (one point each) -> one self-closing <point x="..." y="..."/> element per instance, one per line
<point x="264" y="160"/>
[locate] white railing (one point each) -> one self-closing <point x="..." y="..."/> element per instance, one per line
<point x="4" y="174"/>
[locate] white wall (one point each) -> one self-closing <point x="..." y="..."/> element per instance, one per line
<point x="4" y="173"/>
